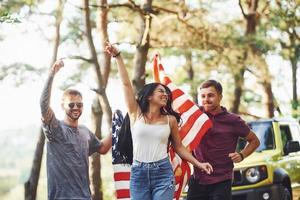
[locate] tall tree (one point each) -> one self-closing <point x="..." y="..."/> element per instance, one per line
<point x="255" y="53"/>
<point x="102" y="23"/>
<point x="32" y="183"/>
<point x="286" y="20"/>
<point x="103" y="100"/>
<point x="143" y="45"/>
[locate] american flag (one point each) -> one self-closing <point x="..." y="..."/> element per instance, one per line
<point x="121" y="170"/>
<point x="194" y="125"/>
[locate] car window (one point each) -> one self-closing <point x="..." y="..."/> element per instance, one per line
<point x="295" y="132"/>
<point x="265" y="134"/>
<point x="285" y="134"/>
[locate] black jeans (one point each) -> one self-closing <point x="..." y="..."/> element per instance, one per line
<point x="216" y="191"/>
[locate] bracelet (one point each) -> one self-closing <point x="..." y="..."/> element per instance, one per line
<point x="117" y="54"/>
<point x="242" y="156"/>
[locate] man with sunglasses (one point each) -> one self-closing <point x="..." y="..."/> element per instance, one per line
<point x="68" y="144"/>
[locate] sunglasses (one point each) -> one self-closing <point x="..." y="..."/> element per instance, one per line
<point x="72" y="105"/>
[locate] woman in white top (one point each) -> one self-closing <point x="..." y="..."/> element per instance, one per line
<point x="153" y="122"/>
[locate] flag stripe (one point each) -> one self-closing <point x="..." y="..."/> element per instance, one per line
<point x="155" y="69"/>
<point x="176" y="93"/>
<point x="122" y="168"/>
<point x="123" y="194"/>
<point x="121" y="176"/>
<point x="194" y="131"/>
<point x="185" y="106"/>
<point x="122" y="185"/>
<point x="188" y="124"/>
<point x="195" y="142"/>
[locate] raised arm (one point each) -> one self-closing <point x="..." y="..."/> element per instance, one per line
<point x="183" y="152"/>
<point x="47" y="113"/>
<point x="126" y="83"/>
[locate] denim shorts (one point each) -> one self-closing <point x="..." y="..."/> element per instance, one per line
<point x="152" y="181"/>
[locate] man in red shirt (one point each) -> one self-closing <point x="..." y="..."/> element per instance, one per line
<point x="218" y="147"/>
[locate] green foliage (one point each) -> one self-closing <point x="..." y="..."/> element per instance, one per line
<point x="251" y="96"/>
<point x="285" y="21"/>
<point x="9" y="9"/>
<point x="75" y="34"/>
<point x="20" y="73"/>
<point x="7" y="18"/>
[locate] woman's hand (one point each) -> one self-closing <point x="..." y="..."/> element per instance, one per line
<point x="206" y="167"/>
<point x="111" y="50"/>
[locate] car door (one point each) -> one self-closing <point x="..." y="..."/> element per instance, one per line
<point x="290" y="161"/>
<point x="295" y="131"/>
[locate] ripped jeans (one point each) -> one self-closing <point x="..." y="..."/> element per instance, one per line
<point x="152" y="181"/>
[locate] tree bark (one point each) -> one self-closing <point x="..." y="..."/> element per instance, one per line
<point x="295" y="102"/>
<point x="32" y="183"/>
<point x="95" y="167"/>
<point x="102" y="29"/>
<point x="104" y="105"/>
<point x="251" y="19"/>
<point x="143" y="46"/>
<point x="270" y="99"/>
<point x="266" y="83"/>
<point x="294" y="63"/>
<point x="190" y="74"/>
<point x="105" y="58"/>
<point x="238" y="90"/>
<point x="95" y="160"/>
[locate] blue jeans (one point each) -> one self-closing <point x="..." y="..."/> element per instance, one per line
<point x="152" y="181"/>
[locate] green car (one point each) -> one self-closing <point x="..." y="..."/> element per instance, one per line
<point x="273" y="171"/>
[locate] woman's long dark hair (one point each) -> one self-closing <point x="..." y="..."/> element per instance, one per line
<point x="143" y="102"/>
<point x="124" y="143"/>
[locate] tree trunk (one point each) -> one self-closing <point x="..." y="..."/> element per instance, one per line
<point x="266" y="83"/>
<point x="270" y="99"/>
<point x="102" y="29"/>
<point x="32" y="183"/>
<point x="295" y="102"/>
<point x="142" y="47"/>
<point x="95" y="167"/>
<point x="104" y="104"/>
<point x="190" y="74"/>
<point x="105" y="58"/>
<point x="238" y="90"/>
<point x="95" y="160"/>
<point x="239" y="75"/>
<point x="251" y="19"/>
<point x="59" y="18"/>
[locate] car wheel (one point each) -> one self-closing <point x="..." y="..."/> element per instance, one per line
<point x="285" y="194"/>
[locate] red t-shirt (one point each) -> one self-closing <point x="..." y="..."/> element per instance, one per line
<point x="217" y="143"/>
